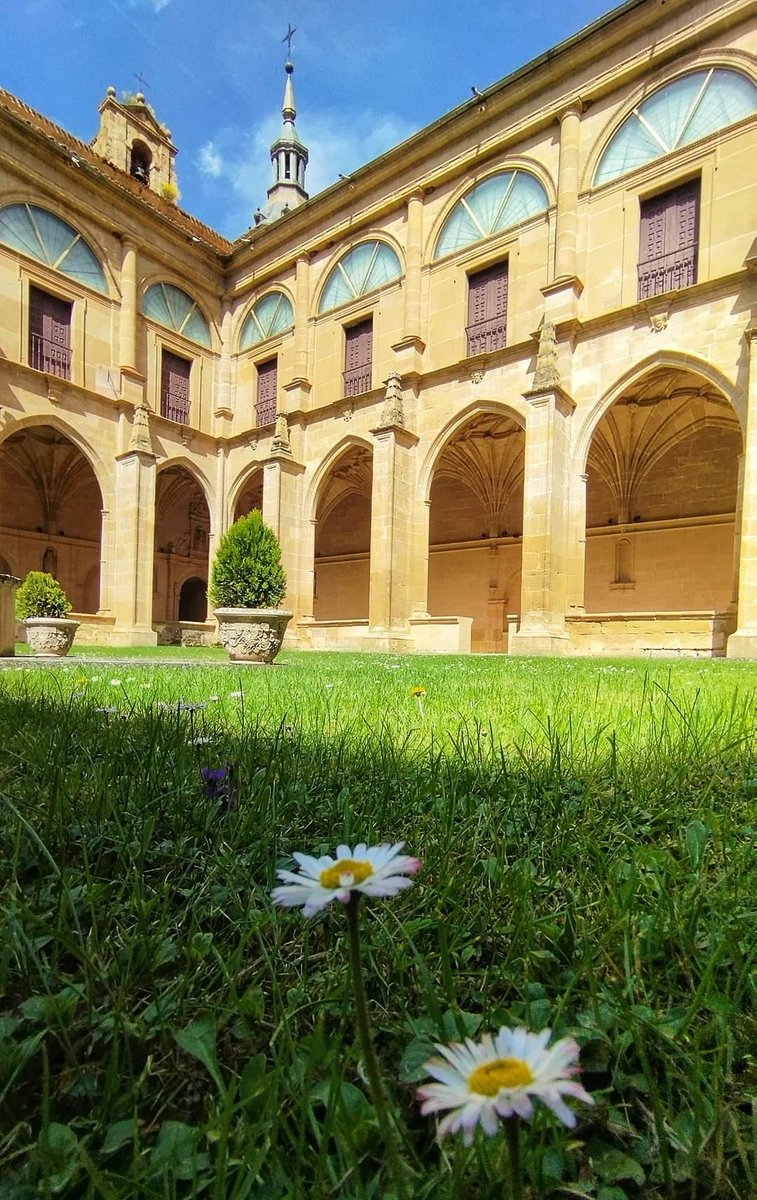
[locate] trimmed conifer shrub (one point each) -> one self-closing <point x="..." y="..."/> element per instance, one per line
<point x="247" y="570"/>
<point x="40" y="595"/>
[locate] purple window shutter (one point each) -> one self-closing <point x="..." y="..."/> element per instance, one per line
<point x="669" y="240"/>
<point x="50" y="333"/>
<point x="174" y="391"/>
<point x="487" y="309"/>
<point x="268" y="378"/>
<point x="358" y="358"/>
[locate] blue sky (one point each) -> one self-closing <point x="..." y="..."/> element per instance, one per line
<point x="367" y="75"/>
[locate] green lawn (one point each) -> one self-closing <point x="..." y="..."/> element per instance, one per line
<point x="585" y="829"/>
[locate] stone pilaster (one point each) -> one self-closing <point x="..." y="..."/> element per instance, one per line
<point x="544" y="594"/>
<point x="409" y="352"/>
<point x="562" y="293"/>
<point x="133" y="551"/>
<point x="743" y="643"/>
<point x="298" y="388"/>
<point x="8" y="585"/>
<point x="132" y="381"/>
<point x="223" y="408"/>
<point x="392" y="502"/>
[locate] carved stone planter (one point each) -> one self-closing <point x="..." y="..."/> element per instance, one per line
<point x="252" y="634"/>
<point x="50" y="637"/>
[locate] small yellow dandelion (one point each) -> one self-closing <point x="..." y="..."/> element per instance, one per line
<point x="418" y="691"/>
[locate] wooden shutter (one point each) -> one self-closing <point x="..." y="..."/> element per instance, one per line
<point x="49" y="333"/>
<point x="669" y="240"/>
<point x="174" y="391"/>
<point x="487" y="309"/>
<point x="358" y="358"/>
<point x="268" y="379"/>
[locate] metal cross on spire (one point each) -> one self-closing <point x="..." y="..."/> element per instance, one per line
<point x="141" y="80"/>
<point x="288" y="38"/>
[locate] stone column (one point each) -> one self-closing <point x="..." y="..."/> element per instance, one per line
<point x="737" y="534"/>
<point x="419" y="559"/>
<point x="132" y="571"/>
<point x="392" y="500"/>
<point x="409" y="352"/>
<point x="282" y="507"/>
<point x="128" y="326"/>
<point x="8" y="585"/>
<point x="107" y="533"/>
<point x="743" y="643"/>
<point x="222" y="408"/>
<point x="301" y="314"/>
<point x="219" y="517"/>
<point x="577" y="545"/>
<point x="566" y="234"/>
<point x="544" y="593"/>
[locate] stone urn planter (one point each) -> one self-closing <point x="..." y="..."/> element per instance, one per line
<point x="247" y="586"/>
<point x="252" y="635"/>
<point x="50" y="637"/>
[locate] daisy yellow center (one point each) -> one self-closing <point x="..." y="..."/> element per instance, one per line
<point x="491" y="1077"/>
<point x="346" y="872"/>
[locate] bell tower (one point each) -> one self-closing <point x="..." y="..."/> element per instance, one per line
<point x="132" y="139"/>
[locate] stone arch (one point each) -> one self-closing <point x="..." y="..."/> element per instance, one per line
<point x="246" y="492"/>
<point x="323" y="468"/>
<point x="182" y="534"/>
<point x="526" y="165"/>
<point x="732" y="60"/>
<point x="340" y="253"/>
<point x="475" y="408"/>
<point x="52" y="488"/>
<point x="674" y="359"/>
<point x="102" y="473"/>
<point x="475" y="488"/>
<point x="342" y="541"/>
<point x="245" y="309"/>
<point x="662" y="493"/>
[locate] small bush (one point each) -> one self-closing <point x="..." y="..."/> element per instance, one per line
<point x="247" y="570"/>
<point x="170" y="192"/>
<point x="40" y="595"/>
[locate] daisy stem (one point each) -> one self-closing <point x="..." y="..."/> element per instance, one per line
<point x="512" y="1133"/>
<point x="369" y="1054"/>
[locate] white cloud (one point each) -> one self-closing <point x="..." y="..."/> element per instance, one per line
<point x="337" y="144"/>
<point x="210" y="161"/>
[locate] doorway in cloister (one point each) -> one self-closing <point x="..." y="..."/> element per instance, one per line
<point x="343" y="538"/>
<point x="182" y="531"/>
<point x="51" y="512"/>
<point x="476" y="527"/>
<point x="662" y="482"/>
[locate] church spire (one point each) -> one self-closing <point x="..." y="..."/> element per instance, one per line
<point x="289" y="158"/>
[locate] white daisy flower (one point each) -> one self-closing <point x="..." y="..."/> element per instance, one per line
<point x="479" y="1082"/>
<point x="372" y="870"/>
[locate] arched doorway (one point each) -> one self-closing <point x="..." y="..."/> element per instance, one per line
<point x="476" y="527"/>
<point x="251" y="496"/>
<point x="662" y="481"/>
<point x="343" y="538"/>
<point x="182" y="533"/>
<point x="51" y="512"/>
<point x="193" y="600"/>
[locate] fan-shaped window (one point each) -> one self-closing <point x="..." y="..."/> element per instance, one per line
<point x="43" y="236"/>
<point x="169" y="306"/>
<point x="683" y="111"/>
<point x="271" y="315"/>
<point x="495" y="204"/>
<point x="368" y="266"/>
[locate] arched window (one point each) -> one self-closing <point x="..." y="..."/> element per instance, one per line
<point x="43" y="236"/>
<point x="366" y="267"/>
<point x="681" y="112"/>
<point x="169" y="306"/>
<point x="494" y="204"/>
<point x="271" y="315"/>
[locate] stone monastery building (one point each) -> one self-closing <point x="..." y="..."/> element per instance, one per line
<point x="495" y="391"/>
